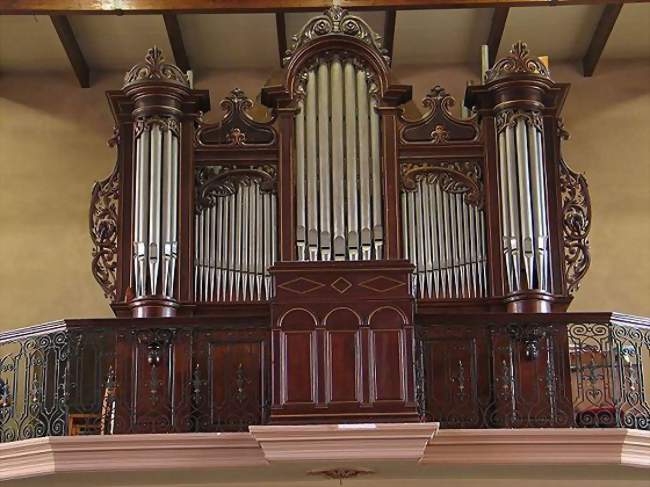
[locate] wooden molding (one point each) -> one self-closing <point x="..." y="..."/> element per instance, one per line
<point x="176" y="40"/>
<point x="548" y="446"/>
<point x="66" y="36"/>
<point x="349" y="442"/>
<point x="599" y="40"/>
<point x="497" y="27"/>
<point x="228" y="6"/>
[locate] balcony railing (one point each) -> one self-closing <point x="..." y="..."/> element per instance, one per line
<point x="83" y="377"/>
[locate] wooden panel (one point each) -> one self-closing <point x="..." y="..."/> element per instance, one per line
<point x="343" y="356"/>
<point x="386" y="367"/>
<point x="297" y="354"/>
<point x="236" y="383"/>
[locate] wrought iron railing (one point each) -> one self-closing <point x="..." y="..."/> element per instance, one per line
<point x="102" y="377"/>
<point x="547" y="370"/>
<point x="198" y="375"/>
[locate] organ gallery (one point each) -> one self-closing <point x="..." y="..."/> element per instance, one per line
<point x="339" y="261"/>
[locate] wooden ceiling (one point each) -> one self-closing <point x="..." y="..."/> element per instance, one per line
<point x="51" y="35"/>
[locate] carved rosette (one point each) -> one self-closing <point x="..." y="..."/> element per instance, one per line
<point x="336" y="20"/>
<point x="154" y="68"/>
<point x="576" y="223"/>
<point x="103" y="222"/>
<point x="456" y="177"/>
<point x="518" y="61"/>
<point x="223" y="181"/>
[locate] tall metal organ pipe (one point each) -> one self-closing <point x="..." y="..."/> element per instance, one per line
<point x="338" y="167"/>
<point x="155" y="248"/>
<point x="524" y="211"/>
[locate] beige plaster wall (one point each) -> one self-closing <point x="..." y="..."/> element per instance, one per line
<point x="52" y="148"/>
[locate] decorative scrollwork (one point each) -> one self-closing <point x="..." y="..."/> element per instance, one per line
<point x="221" y="181"/>
<point x="438" y="125"/>
<point x="336" y="20"/>
<point x="518" y="62"/>
<point x="576" y="222"/>
<point x="103" y="224"/>
<point x="508" y="118"/>
<point x="154" y="68"/>
<point x="457" y="177"/>
<point x="237" y="128"/>
<point x="300" y="87"/>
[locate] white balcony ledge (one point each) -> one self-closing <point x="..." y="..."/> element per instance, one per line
<point x="410" y="448"/>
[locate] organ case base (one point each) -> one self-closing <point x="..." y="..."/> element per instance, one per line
<point x="342" y="342"/>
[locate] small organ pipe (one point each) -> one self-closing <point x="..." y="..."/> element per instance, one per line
<point x="312" y="167"/>
<point x="300" y="181"/>
<point x="435" y="255"/>
<point x="338" y="158"/>
<point x="424" y="189"/>
<point x="364" y="165"/>
<point x="259" y="241"/>
<point x="351" y="161"/>
<point x="267" y="244"/>
<point x="377" y="227"/>
<point x="505" y="213"/>
<point x="419" y="225"/>
<point x="324" y="162"/>
<point x="543" y="223"/>
<point x="525" y="207"/>
<point x="220" y="237"/>
<point x="154" y="207"/>
<point x="512" y="203"/>
<point x="245" y="242"/>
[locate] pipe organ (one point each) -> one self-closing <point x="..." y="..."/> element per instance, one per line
<point x="337" y="219"/>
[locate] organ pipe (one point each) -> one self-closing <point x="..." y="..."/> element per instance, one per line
<point x="235" y="245"/>
<point x="155" y="221"/>
<point x="444" y="238"/>
<point x="524" y="210"/>
<point x="338" y="166"/>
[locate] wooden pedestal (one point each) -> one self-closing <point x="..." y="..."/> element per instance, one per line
<point x="342" y="342"/>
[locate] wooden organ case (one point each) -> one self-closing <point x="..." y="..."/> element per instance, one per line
<point x="338" y="221"/>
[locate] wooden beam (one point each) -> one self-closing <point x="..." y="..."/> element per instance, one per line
<point x="119" y="7"/>
<point x="601" y="34"/>
<point x="389" y="31"/>
<point x="281" y="29"/>
<point x="66" y="36"/>
<point x="176" y="40"/>
<point x="496" y="32"/>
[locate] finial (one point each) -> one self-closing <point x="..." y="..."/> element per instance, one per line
<point x="518" y="61"/>
<point x="154" y="68"/>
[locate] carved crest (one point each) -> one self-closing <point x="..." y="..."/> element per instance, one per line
<point x="237" y="128"/>
<point x="103" y="219"/>
<point x="457" y="177"/>
<point x="336" y="20"/>
<point x="154" y="68"/>
<point x="518" y="61"/>
<point x="438" y="125"/>
<point x="576" y="222"/>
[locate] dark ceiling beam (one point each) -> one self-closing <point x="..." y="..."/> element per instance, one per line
<point x="66" y="36"/>
<point x="599" y="40"/>
<point x="119" y="7"/>
<point x="389" y="31"/>
<point x="176" y="40"/>
<point x="281" y="29"/>
<point x="496" y="32"/>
